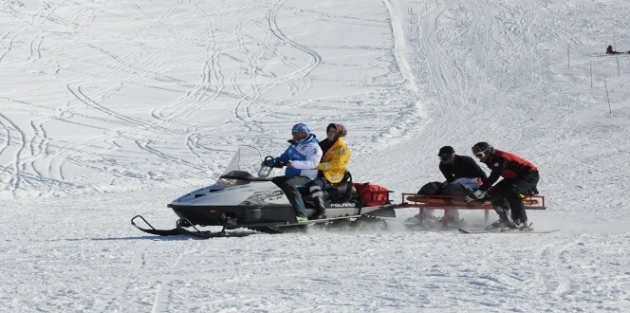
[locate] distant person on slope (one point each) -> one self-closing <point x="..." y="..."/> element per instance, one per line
<point x="519" y="178"/>
<point x="332" y="166"/>
<point x="300" y="159"/>
<point x="610" y="50"/>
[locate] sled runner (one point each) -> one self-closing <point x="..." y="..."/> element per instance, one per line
<point x="447" y="202"/>
<point x="528" y="230"/>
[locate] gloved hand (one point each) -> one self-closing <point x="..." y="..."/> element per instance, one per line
<point x="269" y="161"/>
<point x="476" y="195"/>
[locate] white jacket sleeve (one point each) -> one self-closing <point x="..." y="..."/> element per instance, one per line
<point x="313" y="154"/>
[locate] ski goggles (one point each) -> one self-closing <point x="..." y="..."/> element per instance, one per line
<point x="481" y="153"/>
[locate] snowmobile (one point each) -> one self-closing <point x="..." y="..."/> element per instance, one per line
<point x="240" y="199"/>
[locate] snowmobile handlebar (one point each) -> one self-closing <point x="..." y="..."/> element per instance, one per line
<point x="270" y="161"/>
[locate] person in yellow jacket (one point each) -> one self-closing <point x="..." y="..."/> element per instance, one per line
<point x="332" y="166"/>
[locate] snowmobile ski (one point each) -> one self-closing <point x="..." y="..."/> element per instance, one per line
<point x="184" y="224"/>
<point x="181" y="229"/>
<point x="152" y="230"/>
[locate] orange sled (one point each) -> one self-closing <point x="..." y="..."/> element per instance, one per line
<point x="446" y="203"/>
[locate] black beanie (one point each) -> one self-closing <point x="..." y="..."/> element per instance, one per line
<point x="446" y="150"/>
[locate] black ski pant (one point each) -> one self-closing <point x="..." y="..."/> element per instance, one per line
<point x="509" y="191"/>
<point x="316" y="189"/>
<point x="291" y="187"/>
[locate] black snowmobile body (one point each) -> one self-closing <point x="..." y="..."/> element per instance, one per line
<point x="241" y="200"/>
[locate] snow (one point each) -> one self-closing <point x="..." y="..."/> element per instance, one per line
<point x="109" y="109"/>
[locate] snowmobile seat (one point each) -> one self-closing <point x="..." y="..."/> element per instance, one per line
<point x="340" y="191"/>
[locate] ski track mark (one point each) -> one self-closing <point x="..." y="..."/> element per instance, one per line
<point x="6" y="133"/>
<point x="163" y="292"/>
<point x="8" y="40"/>
<point x="409" y="38"/>
<point x="35" y="47"/>
<point x="125" y="120"/>
<point x="26" y="169"/>
<point x="549" y="254"/>
<point x="146" y="146"/>
<point x="210" y="72"/>
<point x="138" y="8"/>
<point x="137" y="267"/>
<point x="15" y="168"/>
<point x="444" y="64"/>
<point x="243" y="110"/>
<point x="157" y="306"/>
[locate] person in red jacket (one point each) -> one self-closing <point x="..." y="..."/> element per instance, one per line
<point x="519" y="178"/>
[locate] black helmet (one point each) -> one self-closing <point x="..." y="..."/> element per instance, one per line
<point x="446" y="153"/>
<point x="482" y="149"/>
<point x="446" y="150"/>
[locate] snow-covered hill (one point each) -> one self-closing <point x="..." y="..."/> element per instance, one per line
<point x="110" y="109"/>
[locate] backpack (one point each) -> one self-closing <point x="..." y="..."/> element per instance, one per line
<point x="371" y="195"/>
<point x="431" y="188"/>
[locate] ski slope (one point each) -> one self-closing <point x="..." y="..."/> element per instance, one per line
<point x="109" y="109"/>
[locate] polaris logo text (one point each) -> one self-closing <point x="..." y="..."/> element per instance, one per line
<point x="342" y="205"/>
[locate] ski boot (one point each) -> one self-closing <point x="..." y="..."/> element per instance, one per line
<point x="320" y="209"/>
<point x="419" y="218"/>
<point x="521" y="226"/>
<point x="320" y="214"/>
<point x="503" y="221"/>
<point x="500" y="224"/>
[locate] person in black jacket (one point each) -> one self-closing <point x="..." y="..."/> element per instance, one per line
<point x="454" y="167"/>
<point x="463" y="176"/>
<point x="519" y="178"/>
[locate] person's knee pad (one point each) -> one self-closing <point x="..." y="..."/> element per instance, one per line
<point x="316" y="191"/>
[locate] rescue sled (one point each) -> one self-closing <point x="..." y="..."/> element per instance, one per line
<point x="450" y="202"/>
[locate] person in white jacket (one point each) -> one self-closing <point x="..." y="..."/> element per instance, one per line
<point x="300" y="160"/>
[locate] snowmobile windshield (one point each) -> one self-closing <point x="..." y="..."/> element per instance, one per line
<point x="244" y="167"/>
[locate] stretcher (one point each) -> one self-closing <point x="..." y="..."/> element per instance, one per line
<point x="447" y="203"/>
